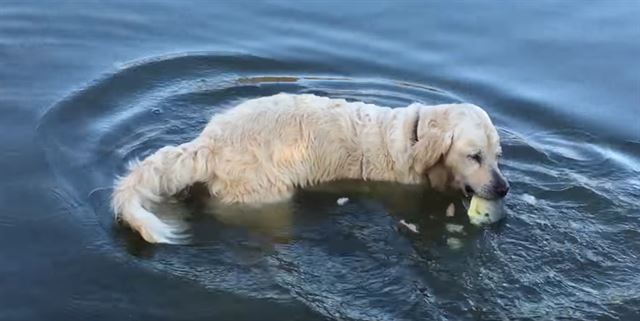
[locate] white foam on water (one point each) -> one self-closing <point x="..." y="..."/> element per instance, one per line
<point x="411" y="227"/>
<point x="451" y="210"/>
<point x="454" y="228"/>
<point x="529" y="199"/>
<point x="454" y="243"/>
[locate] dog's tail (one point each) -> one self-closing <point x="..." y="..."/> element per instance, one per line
<point x="164" y="173"/>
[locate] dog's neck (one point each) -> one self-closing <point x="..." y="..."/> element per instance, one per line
<point x="387" y="137"/>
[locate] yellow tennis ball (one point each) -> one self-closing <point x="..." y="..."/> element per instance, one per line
<point x="483" y="211"/>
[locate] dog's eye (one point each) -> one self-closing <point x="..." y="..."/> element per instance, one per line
<point x="476" y="157"/>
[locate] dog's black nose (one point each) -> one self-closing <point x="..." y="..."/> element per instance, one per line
<point x="502" y="190"/>
<point x="500" y="184"/>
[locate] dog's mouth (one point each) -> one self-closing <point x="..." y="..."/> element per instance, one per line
<point x="468" y="191"/>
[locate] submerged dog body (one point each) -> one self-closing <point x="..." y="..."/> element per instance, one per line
<point x="263" y="149"/>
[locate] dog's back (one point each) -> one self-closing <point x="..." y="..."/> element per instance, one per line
<point x="262" y="149"/>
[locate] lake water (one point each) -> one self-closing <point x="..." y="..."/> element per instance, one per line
<point x="86" y="86"/>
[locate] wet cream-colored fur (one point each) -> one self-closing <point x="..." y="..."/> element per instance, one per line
<point x="263" y="149"/>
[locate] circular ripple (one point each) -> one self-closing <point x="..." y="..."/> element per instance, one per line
<point x="91" y="135"/>
<point x="350" y="262"/>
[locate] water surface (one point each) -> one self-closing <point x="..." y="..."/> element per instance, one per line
<point x="87" y="86"/>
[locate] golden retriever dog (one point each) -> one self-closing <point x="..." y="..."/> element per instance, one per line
<point x="262" y="150"/>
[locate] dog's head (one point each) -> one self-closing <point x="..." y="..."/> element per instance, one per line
<point x="462" y="140"/>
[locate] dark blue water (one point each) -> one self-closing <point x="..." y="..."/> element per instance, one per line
<point x="87" y="86"/>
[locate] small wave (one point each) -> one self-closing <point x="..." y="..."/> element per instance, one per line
<point x="349" y="262"/>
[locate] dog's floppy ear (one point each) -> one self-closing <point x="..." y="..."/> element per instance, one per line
<point x="431" y="139"/>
